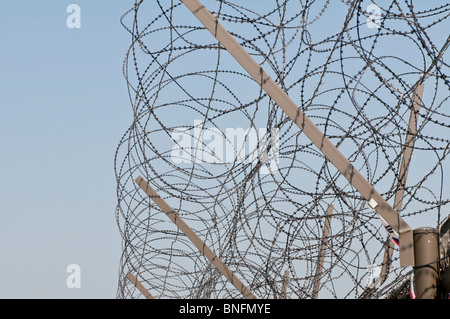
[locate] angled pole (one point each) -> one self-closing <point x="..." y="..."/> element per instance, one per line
<point x="404" y="168"/>
<point x="323" y="247"/>
<point x="207" y="252"/>
<point x="408" y="148"/>
<point x="426" y="270"/>
<point x="309" y="128"/>
<point x="284" y="287"/>
<point x="139" y="286"/>
<point x="402" y="178"/>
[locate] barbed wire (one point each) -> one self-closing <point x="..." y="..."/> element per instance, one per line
<point x="245" y="178"/>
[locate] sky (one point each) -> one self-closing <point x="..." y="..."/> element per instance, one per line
<point x="64" y="107"/>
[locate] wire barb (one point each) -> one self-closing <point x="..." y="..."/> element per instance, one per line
<point x="250" y="183"/>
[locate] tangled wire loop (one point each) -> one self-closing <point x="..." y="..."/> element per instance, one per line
<point x="246" y="179"/>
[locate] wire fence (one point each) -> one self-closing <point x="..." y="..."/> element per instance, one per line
<point x="247" y="180"/>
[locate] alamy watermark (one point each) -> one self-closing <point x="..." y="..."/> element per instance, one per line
<point x="374" y="277"/>
<point x="74" y="19"/>
<point x="234" y="146"/>
<point x="74" y="279"/>
<point x="374" y="19"/>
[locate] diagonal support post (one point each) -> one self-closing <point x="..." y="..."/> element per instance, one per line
<point x="404" y="168"/>
<point x="207" y="252"/>
<point x="132" y="278"/>
<point x="403" y="175"/>
<point x="329" y="150"/>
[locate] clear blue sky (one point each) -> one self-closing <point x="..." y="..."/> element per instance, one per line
<point x="64" y="107"/>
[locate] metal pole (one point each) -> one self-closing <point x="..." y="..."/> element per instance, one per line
<point x="323" y="247"/>
<point x="426" y="269"/>
<point x="139" y="286"/>
<point x="403" y="175"/>
<point x="206" y="251"/>
<point x="309" y="128"/>
<point x="284" y="287"/>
